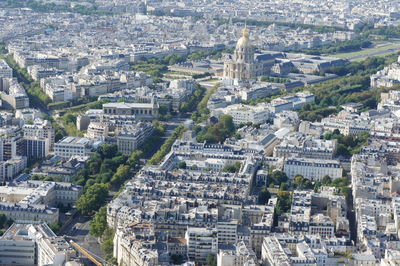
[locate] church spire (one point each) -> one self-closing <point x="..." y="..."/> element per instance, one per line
<point x="245" y="33"/>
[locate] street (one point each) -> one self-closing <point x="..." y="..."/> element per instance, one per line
<point x="78" y="231"/>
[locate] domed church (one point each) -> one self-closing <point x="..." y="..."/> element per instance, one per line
<point x="242" y="64"/>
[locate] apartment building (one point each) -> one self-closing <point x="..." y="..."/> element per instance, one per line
<point x="321" y="225"/>
<point x="5" y="70"/>
<point x="238" y="256"/>
<point x="37" y="200"/>
<point x="75" y="146"/>
<point x="41" y="129"/>
<point x="242" y="114"/>
<point x="11" y="146"/>
<point x="14" y="95"/>
<point x="312" y="169"/>
<point x="305" y="146"/>
<point x="139" y="110"/>
<point x="200" y="243"/>
<point x="134" y="245"/>
<point x="37" y="147"/>
<point x="33" y="243"/>
<point x="130" y="137"/>
<point x="12" y="167"/>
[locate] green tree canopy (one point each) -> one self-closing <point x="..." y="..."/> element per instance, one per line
<point x="93" y="198"/>
<point x="108" y="150"/>
<point x="264" y="196"/>
<point x="99" y="222"/>
<point x="121" y="175"/>
<point x="182" y="165"/>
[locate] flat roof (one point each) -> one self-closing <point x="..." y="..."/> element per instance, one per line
<point x="127" y="105"/>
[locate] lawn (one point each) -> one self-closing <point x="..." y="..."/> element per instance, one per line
<point x="368" y="50"/>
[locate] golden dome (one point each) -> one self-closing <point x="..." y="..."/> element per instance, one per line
<point x="244" y="41"/>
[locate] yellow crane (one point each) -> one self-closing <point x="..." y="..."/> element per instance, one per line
<point x="85" y="253"/>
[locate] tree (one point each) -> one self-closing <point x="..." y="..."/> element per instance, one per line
<point x="55" y="227"/>
<point x="3" y="220"/>
<point x="300" y="182"/>
<point x="165" y="148"/>
<point x="211" y="260"/>
<point x="284" y="186"/>
<point x="107" y="246"/>
<point x="326" y="180"/>
<point x="232" y="168"/>
<point x="263" y="196"/>
<point x="118" y="160"/>
<point x="94" y="164"/>
<point x="92" y="199"/>
<point x="108" y="150"/>
<point x="163" y="109"/>
<point x="218" y="132"/>
<point x="182" y="165"/>
<point x="277" y="177"/>
<point x="227" y="122"/>
<point x="283" y="203"/>
<point x="89" y="183"/>
<point x="134" y="159"/>
<point x="121" y="175"/>
<point x="177" y="259"/>
<point x="317" y="186"/>
<point x="99" y="222"/>
<point x="69" y="118"/>
<point x="108" y="165"/>
<point x="105" y="177"/>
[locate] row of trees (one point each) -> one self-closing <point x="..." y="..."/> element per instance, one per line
<point x="107" y="170"/>
<point x="202" y="112"/>
<point x="274" y="79"/>
<point x="96" y="178"/>
<point x="166" y="147"/>
<point x="98" y="228"/>
<point x="354" y="86"/>
<point x="36" y="95"/>
<point x="191" y="103"/>
<point x="339" y="47"/>
<point x="386" y="32"/>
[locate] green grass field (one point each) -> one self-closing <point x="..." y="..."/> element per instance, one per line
<point x="367" y="51"/>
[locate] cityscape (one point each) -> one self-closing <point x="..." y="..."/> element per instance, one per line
<point x="200" y="133"/>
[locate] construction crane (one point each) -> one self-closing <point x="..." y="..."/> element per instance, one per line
<point x="86" y="253"/>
